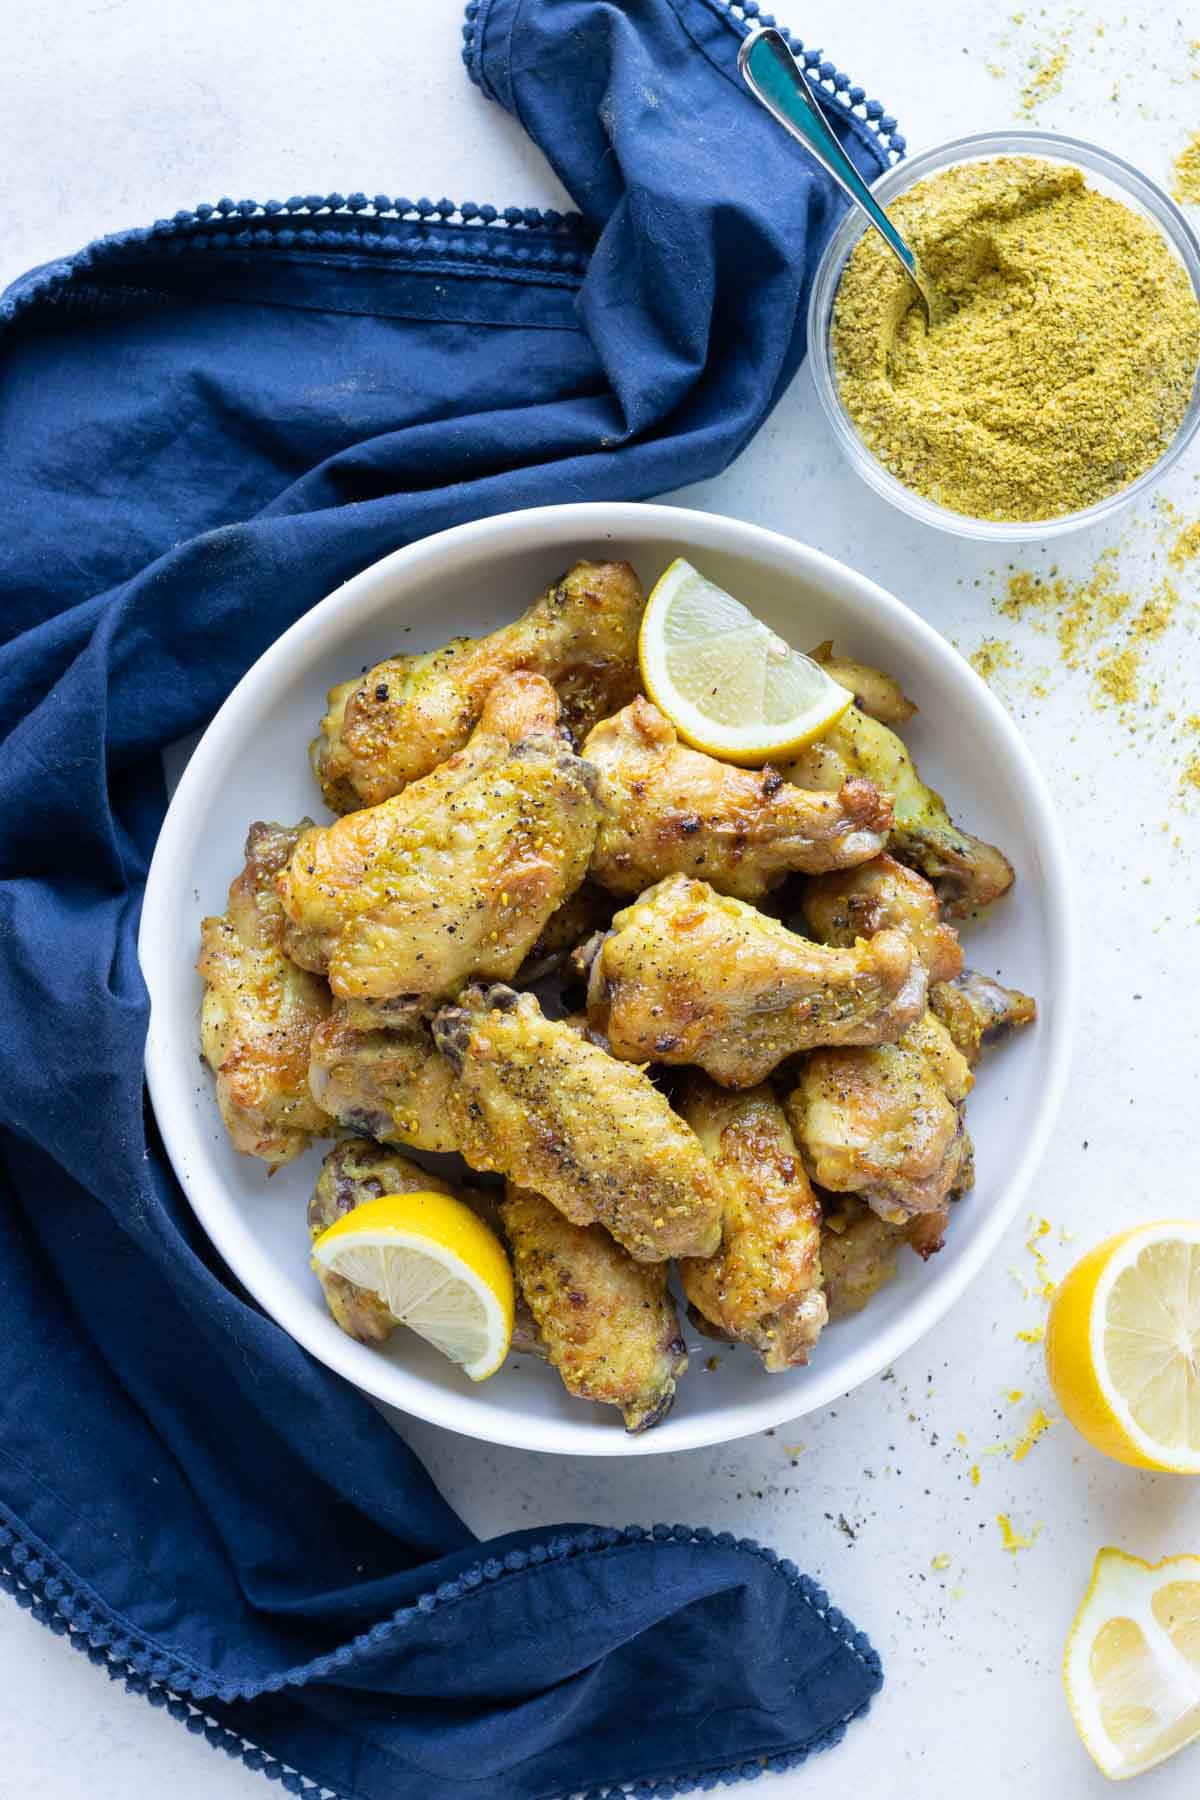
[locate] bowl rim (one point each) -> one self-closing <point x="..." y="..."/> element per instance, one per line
<point x="1147" y="193"/>
<point x="170" y="1071"/>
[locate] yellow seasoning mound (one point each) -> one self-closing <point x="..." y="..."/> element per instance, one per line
<point x="1066" y="366"/>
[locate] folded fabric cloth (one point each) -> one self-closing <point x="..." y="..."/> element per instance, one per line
<point x="204" y="428"/>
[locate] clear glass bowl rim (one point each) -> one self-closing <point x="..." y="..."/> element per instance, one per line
<point x="1147" y="196"/>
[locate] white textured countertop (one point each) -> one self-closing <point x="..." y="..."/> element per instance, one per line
<point x="113" y="114"/>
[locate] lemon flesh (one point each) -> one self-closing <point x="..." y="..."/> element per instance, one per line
<point x="1132" y="1664"/>
<point x="1123" y="1347"/>
<point x="728" y="683"/>
<point x="435" y="1266"/>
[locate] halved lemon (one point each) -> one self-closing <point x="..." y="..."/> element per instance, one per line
<point x="1123" y="1346"/>
<point x="729" y="684"/>
<point x="436" y="1267"/>
<point x="1132" y="1662"/>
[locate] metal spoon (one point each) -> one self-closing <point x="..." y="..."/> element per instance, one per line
<point x="776" y="79"/>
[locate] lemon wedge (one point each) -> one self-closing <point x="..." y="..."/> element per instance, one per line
<point x="436" y="1267"/>
<point x="1132" y="1662"/>
<point x="1123" y="1347"/>
<point x="728" y="684"/>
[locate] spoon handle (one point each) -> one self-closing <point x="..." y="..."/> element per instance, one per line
<point x="776" y="79"/>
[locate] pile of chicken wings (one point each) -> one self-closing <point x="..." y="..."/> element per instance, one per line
<point x="687" y="1012"/>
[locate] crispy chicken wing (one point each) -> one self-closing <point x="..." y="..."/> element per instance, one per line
<point x="763" y="1286"/>
<point x="976" y="1010"/>
<point x="966" y="872"/>
<point x="667" y="809"/>
<point x="879" y="695"/>
<point x="886" y="1122"/>
<point x="402" y="718"/>
<point x="459" y="874"/>
<point x="880" y="895"/>
<point x="354" y="1171"/>
<point x="858" y="1255"/>
<point x="691" y="976"/>
<point x="608" y="1322"/>
<point x="554" y="1112"/>
<point x="260" y="1009"/>
<point x="382" y="1074"/>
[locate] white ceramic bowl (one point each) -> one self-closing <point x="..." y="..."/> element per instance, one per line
<point x="251" y="763"/>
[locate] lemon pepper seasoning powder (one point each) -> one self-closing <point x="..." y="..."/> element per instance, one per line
<point x="1066" y="367"/>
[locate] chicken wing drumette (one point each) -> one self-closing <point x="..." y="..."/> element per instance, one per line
<point x="541" y="1104"/>
<point x="402" y="718"/>
<point x="608" y="1323"/>
<point x="886" y="1122"/>
<point x="666" y="809"/>
<point x="259" y="1010"/>
<point x="883" y="895"/>
<point x="966" y="872"/>
<point x="691" y="976"/>
<point x="763" y="1286"/>
<point x="977" y="1011"/>
<point x="459" y="874"/>
<point x="380" y="1072"/>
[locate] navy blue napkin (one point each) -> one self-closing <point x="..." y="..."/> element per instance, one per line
<point x="204" y="427"/>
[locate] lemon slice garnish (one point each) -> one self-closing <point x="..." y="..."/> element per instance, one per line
<point x="729" y="684"/>
<point x="1123" y="1347"/>
<point x="1132" y="1662"/>
<point x="436" y="1267"/>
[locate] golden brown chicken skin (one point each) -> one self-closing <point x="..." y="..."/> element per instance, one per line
<point x="402" y="718"/>
<point x="886" y="1122"/>
<point x="688" y="975"/>
<point x="883" y="895"/>
<point x="858" y="1255"/>
<point x="608" y="1323"/>
<point x="357" y="1170"/>
<point x="977" y="1011"/>
<point x="382" y="1074"/>
<point x="667" y="809"/>
<point x="966" y="872"/>
<point x="260" y="1010"/>
<point x="877" y="694"/>
<point x="763" y="1286"/>
<point x="553" y="1112"/>
<point x="459" y="874"/>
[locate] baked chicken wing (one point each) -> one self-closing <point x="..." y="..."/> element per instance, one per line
<point x="886" y="1122"/>
<point x="607" y="1322"/>
<point x="382" y="1074"/>
<point x="555" y="1113"/>
<point x="666" y="809"/>
<point x="402" y="718"/>
<point x="691" y="976"/>
<point x="354" y="1171"/>
<point x="976" y="1011"/>
<point x="459" y="874"/>
<point x="883" y="895"/>
<point x="858" y="1255"/>
<point x="259" y="1010"/>
<point x="763" y="1286"/>
<point x="966" y="872"/>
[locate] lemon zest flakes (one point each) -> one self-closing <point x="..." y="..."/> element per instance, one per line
<point x="1039" y="1423"/>
<point x="1012" y="1540"/>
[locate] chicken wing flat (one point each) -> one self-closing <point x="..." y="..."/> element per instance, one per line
<point x="858" y="1255"/>
<point x="459" y="874"/>
<point x="883" y="895"/>
<point x="608" y="1322"/>
<point x="555" y="1113"/>
<point x="966" y="872"/>
<point x="976" y="1011"/>
<point x="354" y="1171"/>
<point x="382" y="1075"/>
<point x="402" y="718"/>
<point x="259" y="1010"/>
<point x="763" y="1286"/>
<point x="666" y="809"/>
<point x="688" y="975"/>
<point x="886" y="1122"/>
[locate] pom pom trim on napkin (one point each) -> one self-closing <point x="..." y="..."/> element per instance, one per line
<point x="29" y="1572"/>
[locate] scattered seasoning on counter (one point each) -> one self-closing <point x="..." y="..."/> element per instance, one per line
<point x="992" y="655"/>
<point x="1186" y="547"/>
<point x="1045" y="79"/>
<point x="1116" y="682"/>
<point x="1014" y="1540"/>
<point x="1186" y="188"/>
<point x="1039" y="1423"/>
<point x="1066" y="366"/>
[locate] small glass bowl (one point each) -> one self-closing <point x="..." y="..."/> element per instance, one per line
<point x="1108" y="174"/>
